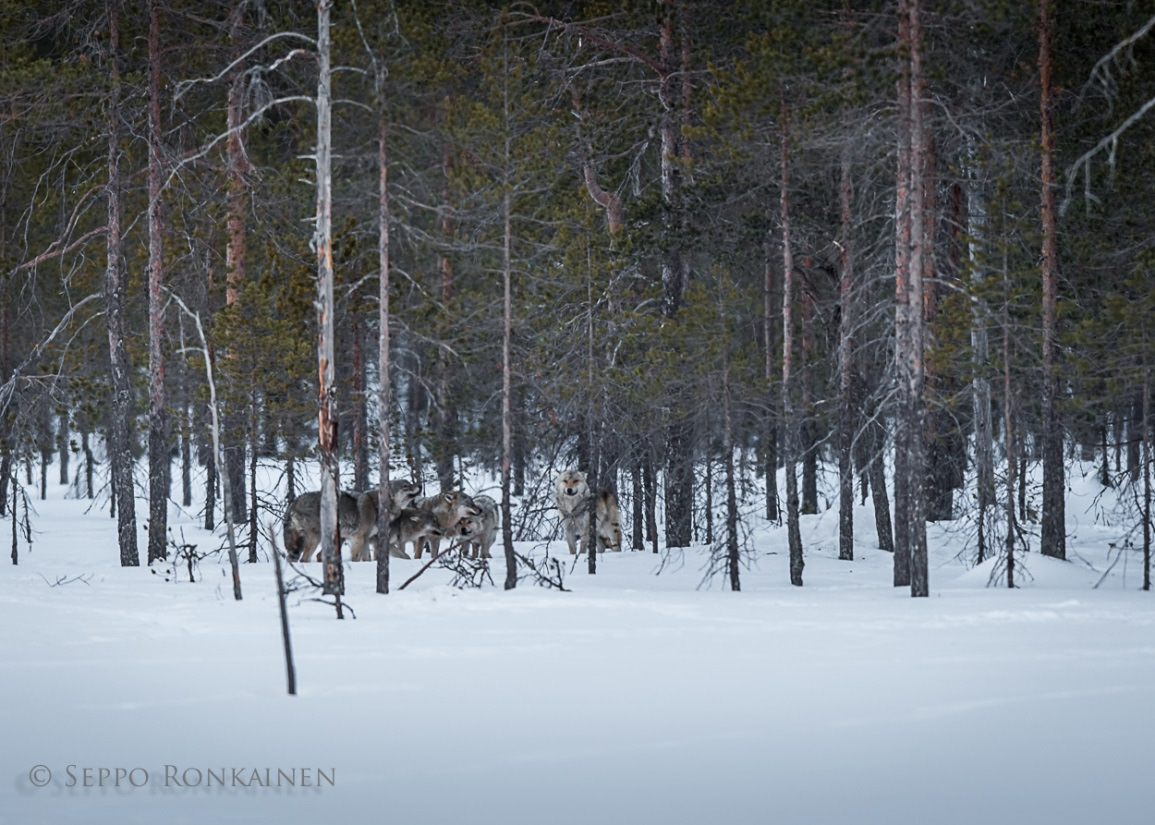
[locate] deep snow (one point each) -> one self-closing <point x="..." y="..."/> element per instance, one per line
<point x="638" y="697"/>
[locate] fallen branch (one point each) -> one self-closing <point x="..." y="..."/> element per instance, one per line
<point x="429" y="564"/>
<point x="544" y="579"/>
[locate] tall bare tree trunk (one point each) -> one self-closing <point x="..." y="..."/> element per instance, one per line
<point x="809" y="506"/>
<point x="902" y="319"/>
<point x="919" y="250"/>
<point x="1054" y="534"/>
<point x="1009" y="426"/>
<point x="980" y="346"/>
<point x="237" y="186"/>
<point x="326" y="372"/>
<point x="789" y="413"/>
<point x="507" y="329"/>
<point x="877" y="474"/>
<point x="158" y="459"/>
<point x="6" y="303"/>
<point x="1146" y="468"/>
<point x="649" y="485"/>
<point x="444" y="414"/>
<point x="593" y="456"/>
<point x="384" y="370"/>
<point x="360" y="416"/>
<point x="770" y="313"/>
<point x="846" y="367"/>
<point x="732" y="555"/>
<point x="120" y="452"/>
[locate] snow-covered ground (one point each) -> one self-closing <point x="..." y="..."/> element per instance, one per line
<point x="637" y="697"/>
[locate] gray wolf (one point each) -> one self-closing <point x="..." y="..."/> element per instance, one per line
<point x="449" y="507"/>
<point x="572" y="495"/>
<point x="411" y="524"/>
<point x="356" y="519"/>
<point x="480" y="532"/>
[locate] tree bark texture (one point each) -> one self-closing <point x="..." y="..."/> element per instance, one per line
<point x="915" y="364"/>
<point x="732" y="547"/>
<point x="326" y="373"/>
<point x="770" y="314"/>
<point x="237" y="188"/>
<point x="121" y="415"/>
<point x="1054" y="534"/>
<point x="507" y="333"/>
<point x="846" y="417"/>
<point x="789" y="412"/>
<point x="384" y="368"/>
<point x="159" y="466"/>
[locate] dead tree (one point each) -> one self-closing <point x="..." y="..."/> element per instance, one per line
<point x="326" y="341"/>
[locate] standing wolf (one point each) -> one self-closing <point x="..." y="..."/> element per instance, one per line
<point x="411" y="524"/>
<point x="480" y="532"/>
<point x="449" y="507"/>
<point x="572" y="495"/>
<point x="356" y="519"/>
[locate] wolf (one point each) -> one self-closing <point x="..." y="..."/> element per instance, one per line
<point x="363" y="543"/>
<point x="479" y="532"/>
<point x="402" y="493"/>
<point x="572" y="495"/>
<point x="356" y="519"/>
<point x="449" y="507"/>
<point x="302" y="524"/>
<point x="411" y="524"/>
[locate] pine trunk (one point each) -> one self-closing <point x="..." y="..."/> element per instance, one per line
<point x="770" y="313"/>
<point x="235" y="257"/>
<point x="121" y="415"/>
<point x="1054" y="536"/>
<point x="877" y="473"/>
<point x="789" y="413"/>
<point x="1009" y="435"/>
<point x="358" y="396"/>
<point x="326" y="373"/>
<point x="507" y="331"/>
<point x="384" y="369"/>
<point x="902" y="330"/>
<point x="732" y="555"/>
<point x="62" y="447"/>
<point x="650" y="485"/>
<point x="159" y="466"/>
<point x="846" y="368"/>
<point x="592" y="456"/>
<point x="919" y="250"/>
<point x="1146" y="473"/>
<point x="444" y="416"/>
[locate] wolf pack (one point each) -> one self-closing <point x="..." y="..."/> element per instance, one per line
<point x="463" y="521"/>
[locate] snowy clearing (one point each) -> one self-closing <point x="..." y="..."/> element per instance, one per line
<point x="636" y="697"/>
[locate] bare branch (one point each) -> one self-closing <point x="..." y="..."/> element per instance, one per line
<point x="1083" y="164"/>
<point x="185" y="85"/>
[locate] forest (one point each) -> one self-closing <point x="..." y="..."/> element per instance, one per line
<point x="720" y="256"/>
